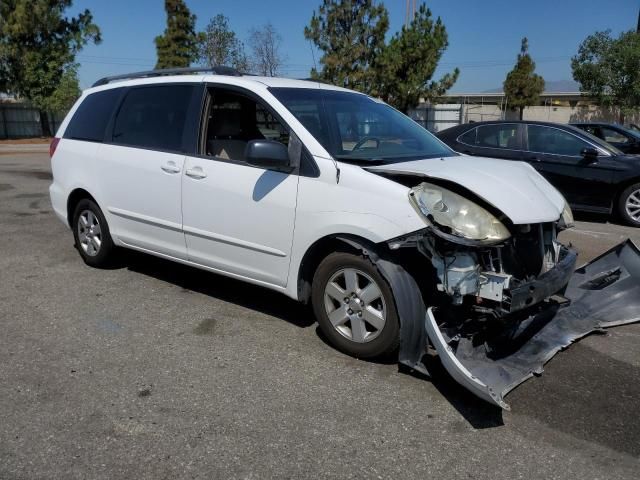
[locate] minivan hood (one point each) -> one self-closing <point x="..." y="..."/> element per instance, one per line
<point x="514" y="188"/>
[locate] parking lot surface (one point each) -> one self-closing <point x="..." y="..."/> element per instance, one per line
<point x="156" y="370"/>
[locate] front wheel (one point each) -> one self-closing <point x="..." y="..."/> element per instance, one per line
<point x="91" y="233"/>
<point x="629" y="205"/>
<point x="354" y="306"/>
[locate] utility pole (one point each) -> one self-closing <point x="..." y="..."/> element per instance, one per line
<point x="406" y="13"/>
<point x="638" y="28"/>
<point x="410" y="12"/>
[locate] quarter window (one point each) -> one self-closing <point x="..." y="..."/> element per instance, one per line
<point x="90" y="120"/>
<point x="469" y="137"/>
<point x="153" y="117"/>
<point x="554" y="141"/>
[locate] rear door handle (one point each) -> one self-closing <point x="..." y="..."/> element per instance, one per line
<point x="195" y="172"/>
<point x="170" y="167"/>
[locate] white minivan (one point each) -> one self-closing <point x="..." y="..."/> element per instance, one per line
<point x="323" y="194"/>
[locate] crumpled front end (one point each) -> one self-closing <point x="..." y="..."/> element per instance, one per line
<point x="492" y="359"/>
<point x="498" y="313"/>
<point x="499" y="295"/>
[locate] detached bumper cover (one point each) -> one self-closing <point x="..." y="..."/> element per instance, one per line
<point x="603" y="293"/>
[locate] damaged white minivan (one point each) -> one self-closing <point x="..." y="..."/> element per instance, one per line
<point x="334" y="198"/>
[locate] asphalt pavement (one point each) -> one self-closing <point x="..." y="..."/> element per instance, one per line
<point x="156" y="370"/>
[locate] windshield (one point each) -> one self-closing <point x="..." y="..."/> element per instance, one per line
<point x="633" y="132"/>
<point x="356" y="128"/>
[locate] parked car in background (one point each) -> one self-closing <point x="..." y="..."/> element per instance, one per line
<point x="625" y="139"/>
<point x="593" y="175"/>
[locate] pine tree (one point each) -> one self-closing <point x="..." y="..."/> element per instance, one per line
<point x="177" y="46"/>
<point x="523" y="86"/>
<point x="350" y="34"/>
<point x="410" y="60"/>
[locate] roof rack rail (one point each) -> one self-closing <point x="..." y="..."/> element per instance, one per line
<point x="219" y="70"/>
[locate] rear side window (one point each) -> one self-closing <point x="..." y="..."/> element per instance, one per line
<point x="153" y="117"/>
<point x="90" y="120"/>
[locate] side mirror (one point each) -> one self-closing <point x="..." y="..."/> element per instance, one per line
<point x="590" y="154"/>
<point x="268" y="154"/>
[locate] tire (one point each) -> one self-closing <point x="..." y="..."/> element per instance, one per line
<point x="91" y="233"/>
<point x="372" y="328"/>
<point x="629" y="199"/>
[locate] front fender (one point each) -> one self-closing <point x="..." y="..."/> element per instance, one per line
<point x="313" y="227"/>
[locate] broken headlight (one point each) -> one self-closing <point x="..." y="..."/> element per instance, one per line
<point x="464" y="218"/>
<point x="566" y="220"/>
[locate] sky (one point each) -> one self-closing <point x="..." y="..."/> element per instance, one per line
<point x="484" y="35"/>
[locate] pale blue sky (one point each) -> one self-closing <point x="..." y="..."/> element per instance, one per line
<point x="484" y="36"/>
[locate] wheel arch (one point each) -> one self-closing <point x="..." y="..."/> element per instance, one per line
<point x="317" y="252"/>
<point x="622" y="186"/>
<point x="74" y="198"/>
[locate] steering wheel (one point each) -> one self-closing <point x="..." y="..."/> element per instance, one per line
<point x="364" y="140"/>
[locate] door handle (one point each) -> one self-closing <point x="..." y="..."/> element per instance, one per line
<point x="195" y="172"/>
<point x="534" y="158"/>
<point x="170" y="167"/>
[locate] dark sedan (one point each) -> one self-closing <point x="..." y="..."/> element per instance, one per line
<point x="625" y="139"/>
<point x="593" y="175"/>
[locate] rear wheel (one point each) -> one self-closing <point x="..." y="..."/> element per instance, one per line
<point x="629" y="205"/>
<point x="91" y="233"/>
<point x="354" y="306"/>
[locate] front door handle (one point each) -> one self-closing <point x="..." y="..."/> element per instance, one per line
<point x="170" y="167"/>
<point x="196" y="172"/>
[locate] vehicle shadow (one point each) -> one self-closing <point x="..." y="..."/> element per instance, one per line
<point x="597" y="218"/>
<point x="478" y="413"/>
<point x="217" y="286"/>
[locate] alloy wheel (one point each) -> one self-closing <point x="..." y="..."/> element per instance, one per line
<point x="89" y="233"/>
<point x="632" y="205"/>
<point x="355" y="305"/>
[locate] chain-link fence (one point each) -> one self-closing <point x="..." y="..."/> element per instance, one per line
<point x="22" y="121"/>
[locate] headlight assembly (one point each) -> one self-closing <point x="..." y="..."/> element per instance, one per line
<point x="566" y="220"/>
<point x="462" y="217"/>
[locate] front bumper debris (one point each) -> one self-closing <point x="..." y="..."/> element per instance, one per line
<point x="545" y="285"/>
<point x="603" y="293"/>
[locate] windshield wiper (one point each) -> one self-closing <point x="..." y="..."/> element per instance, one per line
<point x="349" y="158"/>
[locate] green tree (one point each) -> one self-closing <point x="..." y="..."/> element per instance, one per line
<point x="350" y="34"/>
<point x="608" y="69"/>
<point x="177" y="46"/>
<point x="68" y="91"/>
<point x="38" y="44"/>
<point x="523" y="86"/>
<point x="219" y="46"/>
<point x="409" y="61"/>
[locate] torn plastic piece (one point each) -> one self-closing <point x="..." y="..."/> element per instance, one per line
<point x="603" y="293"/>
<point x="409" y="303"/>
<point x="455" y="368"/>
